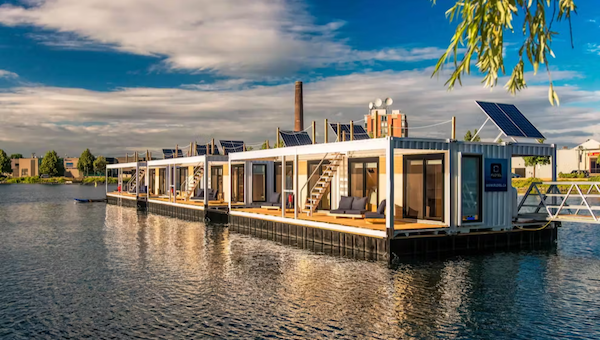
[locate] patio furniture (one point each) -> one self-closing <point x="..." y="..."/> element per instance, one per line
<point x="350" y="207"/>
<point x="274" y="202"/>
<point x="378" y="216"/>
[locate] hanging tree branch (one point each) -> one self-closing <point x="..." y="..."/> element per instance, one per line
<point x="481" y="30"/>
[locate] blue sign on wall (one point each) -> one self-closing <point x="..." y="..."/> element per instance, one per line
<point x="496" y="174"/>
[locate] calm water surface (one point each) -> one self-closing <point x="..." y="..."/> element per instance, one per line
<point x="98" y="271"/>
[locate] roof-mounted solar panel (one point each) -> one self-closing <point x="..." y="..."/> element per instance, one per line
<point x="168" y="153"/>
<point x="293" y="138"/>
<point x="509" y="120"/>
<point x="359" y="131"/>
<point x="230" y="146"/>
<point x="201" y="150"/>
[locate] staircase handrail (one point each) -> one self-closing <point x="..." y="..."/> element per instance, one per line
<point x="311" y="176"/>
<point x="181" y="186"/>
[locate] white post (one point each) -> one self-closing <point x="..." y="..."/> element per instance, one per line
<point x="283" y="193"/>
<point x="554" y="200"/>
<point x="137" y="180"/>
<point x="390" y="205"/>
<point x="106" y="179"/>
<point x="120" y="179"/>
<point x="147" y="179"/>
<point x="296" y="199"/>
<point x="230" y="178"/>
<point x="168" y="180"/>
<point x="206" y="172"/>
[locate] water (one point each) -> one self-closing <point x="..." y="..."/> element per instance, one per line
<point x="95" y="271"/>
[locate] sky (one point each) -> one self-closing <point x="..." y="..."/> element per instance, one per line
<point x="135" y="75"/>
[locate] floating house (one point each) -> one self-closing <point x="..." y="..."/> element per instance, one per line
<point x="388" y="195"/>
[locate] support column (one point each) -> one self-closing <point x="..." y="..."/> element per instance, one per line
<point x="137" y="180"/>
<point x="230" y="178"/>
<point x="390" y="205"/>
<point x="168" y="181"/>
<point x="554" y="155"/>
<point x="147" y="179"/>
<point x="283" y="193"/>
<point x="296" y="198"/>
<point x="206" y="172"/>
<point x="106" y="179"/>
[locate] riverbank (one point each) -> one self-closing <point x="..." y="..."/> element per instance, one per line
<point x="57" y="180"/>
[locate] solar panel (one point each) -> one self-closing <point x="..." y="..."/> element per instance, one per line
<point x="231" y="146"/>
<point x="168" y="153"/>
<point x="292" y="138"/>
<point x="201" y="150"/>
<point x="519" y="119"/>
<point x="359" y="131"/>
<point x="500" y="119"/>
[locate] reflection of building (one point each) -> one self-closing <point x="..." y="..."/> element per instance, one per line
<point x="581" y="157"/>
<point x="386" y="124"/>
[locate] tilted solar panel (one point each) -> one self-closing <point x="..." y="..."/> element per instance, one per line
<point x="230" y="146"/>
<point x="502" y="121"/>
<point x="359" y="131"/>
<point x="201" y="150"/>
<point x="519" y="119"/>
<point x="168" y="153"/>
<point x="292" y="138"/>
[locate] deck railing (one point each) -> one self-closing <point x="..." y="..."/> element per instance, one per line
<point x="559" y="208"/>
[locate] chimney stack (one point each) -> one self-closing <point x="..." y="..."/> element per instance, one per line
<point x="299" y="108"/>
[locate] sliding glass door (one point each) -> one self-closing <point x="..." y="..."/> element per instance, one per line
<point x="424" y="187"/>
<point x="364" y="180"/>
<point x="216" y="179"/>
<point x="259" y="182"/>
<point x="237" y="183"/>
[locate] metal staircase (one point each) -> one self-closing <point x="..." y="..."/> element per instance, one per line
<point x="196" y="179"/>
<point x="132" y="181"/>
<point x="318" y="191"/>
<point x="570" y="201"/>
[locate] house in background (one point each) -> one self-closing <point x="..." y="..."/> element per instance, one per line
<point x="25" y="167"/>
<point x="70" y="165"/>
<point x="582" y="157"/>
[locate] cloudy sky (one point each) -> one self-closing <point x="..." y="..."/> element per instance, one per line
<point x="130" y="75"/>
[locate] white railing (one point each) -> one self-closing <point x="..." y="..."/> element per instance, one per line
<point x="588" y="193"/>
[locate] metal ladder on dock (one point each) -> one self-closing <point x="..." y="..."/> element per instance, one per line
<point x="318" y="190"/>
<point x="196" y="179"/>
<point x="559" y="209"/>
<point x="132" y="181"/>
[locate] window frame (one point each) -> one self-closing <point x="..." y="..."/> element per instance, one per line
<point x="264" y="166"/>
<point x="424" y="158"/>
<point x="364" y="161"/>
<point x="481" y="184"/>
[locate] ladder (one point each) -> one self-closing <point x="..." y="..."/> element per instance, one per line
<point x="196" y="179"/>
<point x="318" y="191"/>
<point x="132" y="181"/>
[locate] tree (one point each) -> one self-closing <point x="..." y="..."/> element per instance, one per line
<point x="51" y="165"/>
<point x="481" y="30"/>
<point x="5" y="164"/>
<point x="536" y="160"/>
<point x="16" y="156"/>
<point x="264" y="146"/>
<point x="469" y="136"/>
<point x="249" y="148"/>
<point x="86" y="162"/>
<point x="100" y="164"/>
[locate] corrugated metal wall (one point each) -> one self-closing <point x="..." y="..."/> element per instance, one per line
<point x="497" y="206"/>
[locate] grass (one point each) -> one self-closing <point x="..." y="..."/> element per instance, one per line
<point x="59" y="180"/>
<point x="522" y="184"/>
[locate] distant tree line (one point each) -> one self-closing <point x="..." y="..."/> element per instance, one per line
<point x="53" y="166"/>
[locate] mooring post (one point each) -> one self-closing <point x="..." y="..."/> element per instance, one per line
<point x="267" y="144"/>
<point x="314" y="132"/>
<point x="212" y="145"/>
<point x="326" y="134"/>
<point x="176" y="151"/>
<point x="351" y="130"/>
<point x="339" y="132"/>
<point x="375" y="125"/>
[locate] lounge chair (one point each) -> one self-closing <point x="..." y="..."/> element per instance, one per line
<point x="378" y="216"/>
<point x="274" y="202"/>
<point x="350" y="207"/>
<point x="212" y="195"/>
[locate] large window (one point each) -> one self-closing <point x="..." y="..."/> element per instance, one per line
<point x="259" y="182"/>
<point x="424" y="187"/>
<point x="216" y="180"/>
<point x="364" y="180"/>
<point x="594" y="166"/>
<point x="289" y="170"/>
<point x="471" y="188"/>
<point x="237" y="183"/>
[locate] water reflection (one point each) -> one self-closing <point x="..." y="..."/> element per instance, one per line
<point x="103" y="272"/>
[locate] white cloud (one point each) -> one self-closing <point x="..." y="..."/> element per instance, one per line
<point x="593" y="48"/>
<point x="136" y="119"/>
<point x="8" y="74"/>
<point x="231" y="37"/>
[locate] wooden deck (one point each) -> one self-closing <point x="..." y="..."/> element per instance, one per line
<point x="359" y="223"/>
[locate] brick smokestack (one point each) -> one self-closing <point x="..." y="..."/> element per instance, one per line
<point x="299" y="108"/>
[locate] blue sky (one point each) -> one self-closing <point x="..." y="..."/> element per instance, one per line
<point x="146" y="74"/>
